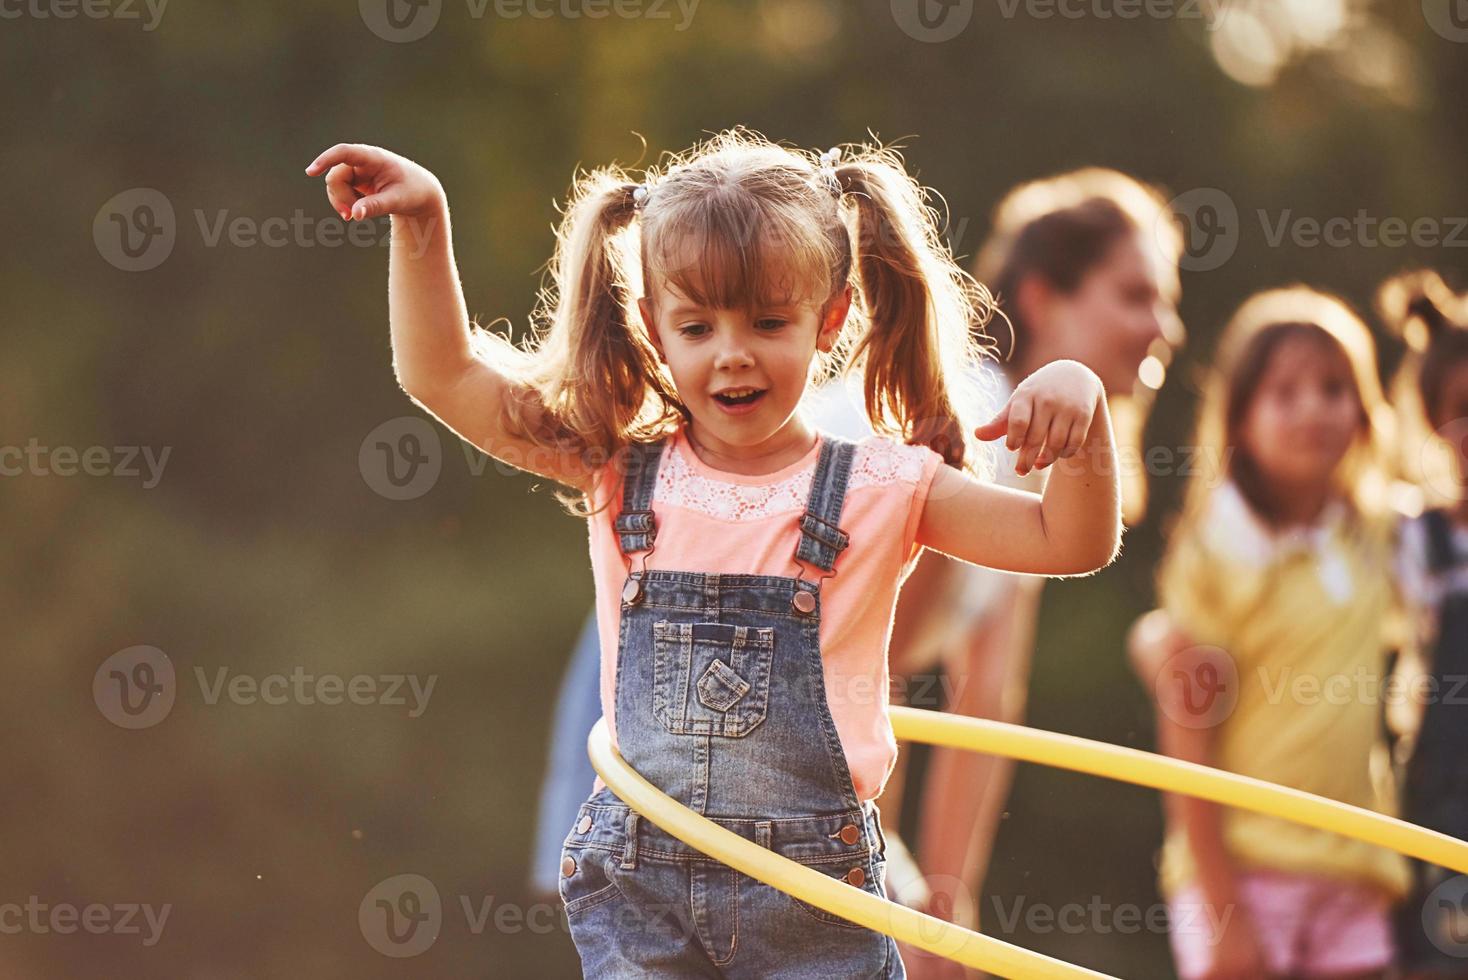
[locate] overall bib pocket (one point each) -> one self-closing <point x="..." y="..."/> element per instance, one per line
<point x="711" y="678"/>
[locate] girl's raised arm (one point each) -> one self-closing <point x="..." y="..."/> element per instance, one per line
<point x="433" y="356"/>
<point x="1057" y="413"/>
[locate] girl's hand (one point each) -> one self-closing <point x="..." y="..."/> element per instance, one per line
<point x="1049" y="415"/>
<point x="365" y="181"/>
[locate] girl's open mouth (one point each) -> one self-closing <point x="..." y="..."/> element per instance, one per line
<point x="740" y="403"/>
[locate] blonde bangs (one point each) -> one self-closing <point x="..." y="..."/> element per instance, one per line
<point x="724" y="255"/>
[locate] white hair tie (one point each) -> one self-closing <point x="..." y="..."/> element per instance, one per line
<point x="828" y="168"/>
<point x="639" y="196"/>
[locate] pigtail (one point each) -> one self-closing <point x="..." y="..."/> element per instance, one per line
<point x="588" y="376"/>
<point x="1415" y="306"/>
<point x="1433" y="322"/>
<point x="922" y="312"/>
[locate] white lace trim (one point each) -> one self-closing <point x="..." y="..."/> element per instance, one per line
<point x="876" y="462"/>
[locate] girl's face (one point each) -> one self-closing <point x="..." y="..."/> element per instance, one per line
<point x="1117" y="311"/>
<point x="715" y="355"/>
<point x="1304" y="414"/>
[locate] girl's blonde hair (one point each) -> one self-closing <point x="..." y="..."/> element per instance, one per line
<point x="1261" y="326"/>
<point x="1432" y="320"/>
<point x="733" y="222"/>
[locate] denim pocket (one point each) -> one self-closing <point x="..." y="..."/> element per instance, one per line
<point x="590" y="882"/>
<point x="711" y="678"/>
<point x="872" y="885"/>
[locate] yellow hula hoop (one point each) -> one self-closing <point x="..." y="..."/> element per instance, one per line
<point x="1027" y="745"/>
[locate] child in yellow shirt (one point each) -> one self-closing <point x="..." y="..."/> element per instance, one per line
<point x="1268" y="653"/>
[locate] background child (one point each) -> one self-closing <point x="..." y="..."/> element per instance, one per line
<point x="741" y="673"/>
<point x="1275" y="589"/>
<point x="1428" y="715"/>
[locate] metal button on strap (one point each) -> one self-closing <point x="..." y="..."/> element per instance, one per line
<point x="856" y="876"/>
<point x="584" y="825"/>
<point x="804" y="601"/>
<point x="568" y="866"/>
<point x="632" y="591"/>
<point x="850" y="834"/>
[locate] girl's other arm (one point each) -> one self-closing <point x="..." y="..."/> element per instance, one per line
<point x="1058" y="413"/>
<point x="433" y="356"/>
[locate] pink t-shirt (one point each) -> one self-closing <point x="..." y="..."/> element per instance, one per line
<point x="709" y="520"/>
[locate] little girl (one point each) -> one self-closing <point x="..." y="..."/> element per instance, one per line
<point x="1268" y="653"/>
<point x="1433" y="566"/>
<point x="746" y="563"/>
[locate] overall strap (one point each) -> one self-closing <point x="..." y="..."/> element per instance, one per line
<point x="1440" y="557"/>
<point x="821" y="537"/>
<point x="635" y="525"/>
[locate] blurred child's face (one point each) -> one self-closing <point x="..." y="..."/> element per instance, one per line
<point x="740" y="372"/>
<point x="1115" y="315"/>
<point x="1304" y="414"/>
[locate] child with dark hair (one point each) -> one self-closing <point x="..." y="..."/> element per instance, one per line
<point x="1432" y="724"/>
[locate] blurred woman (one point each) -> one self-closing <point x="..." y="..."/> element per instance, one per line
<point x="1085" y="266"/>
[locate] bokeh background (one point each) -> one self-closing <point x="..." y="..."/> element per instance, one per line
<point x="174" y="289"/>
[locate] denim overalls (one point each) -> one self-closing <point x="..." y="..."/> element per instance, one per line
<point x="721" y="704"/>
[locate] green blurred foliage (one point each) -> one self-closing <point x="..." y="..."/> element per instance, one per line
<point x="262" y="369"/>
